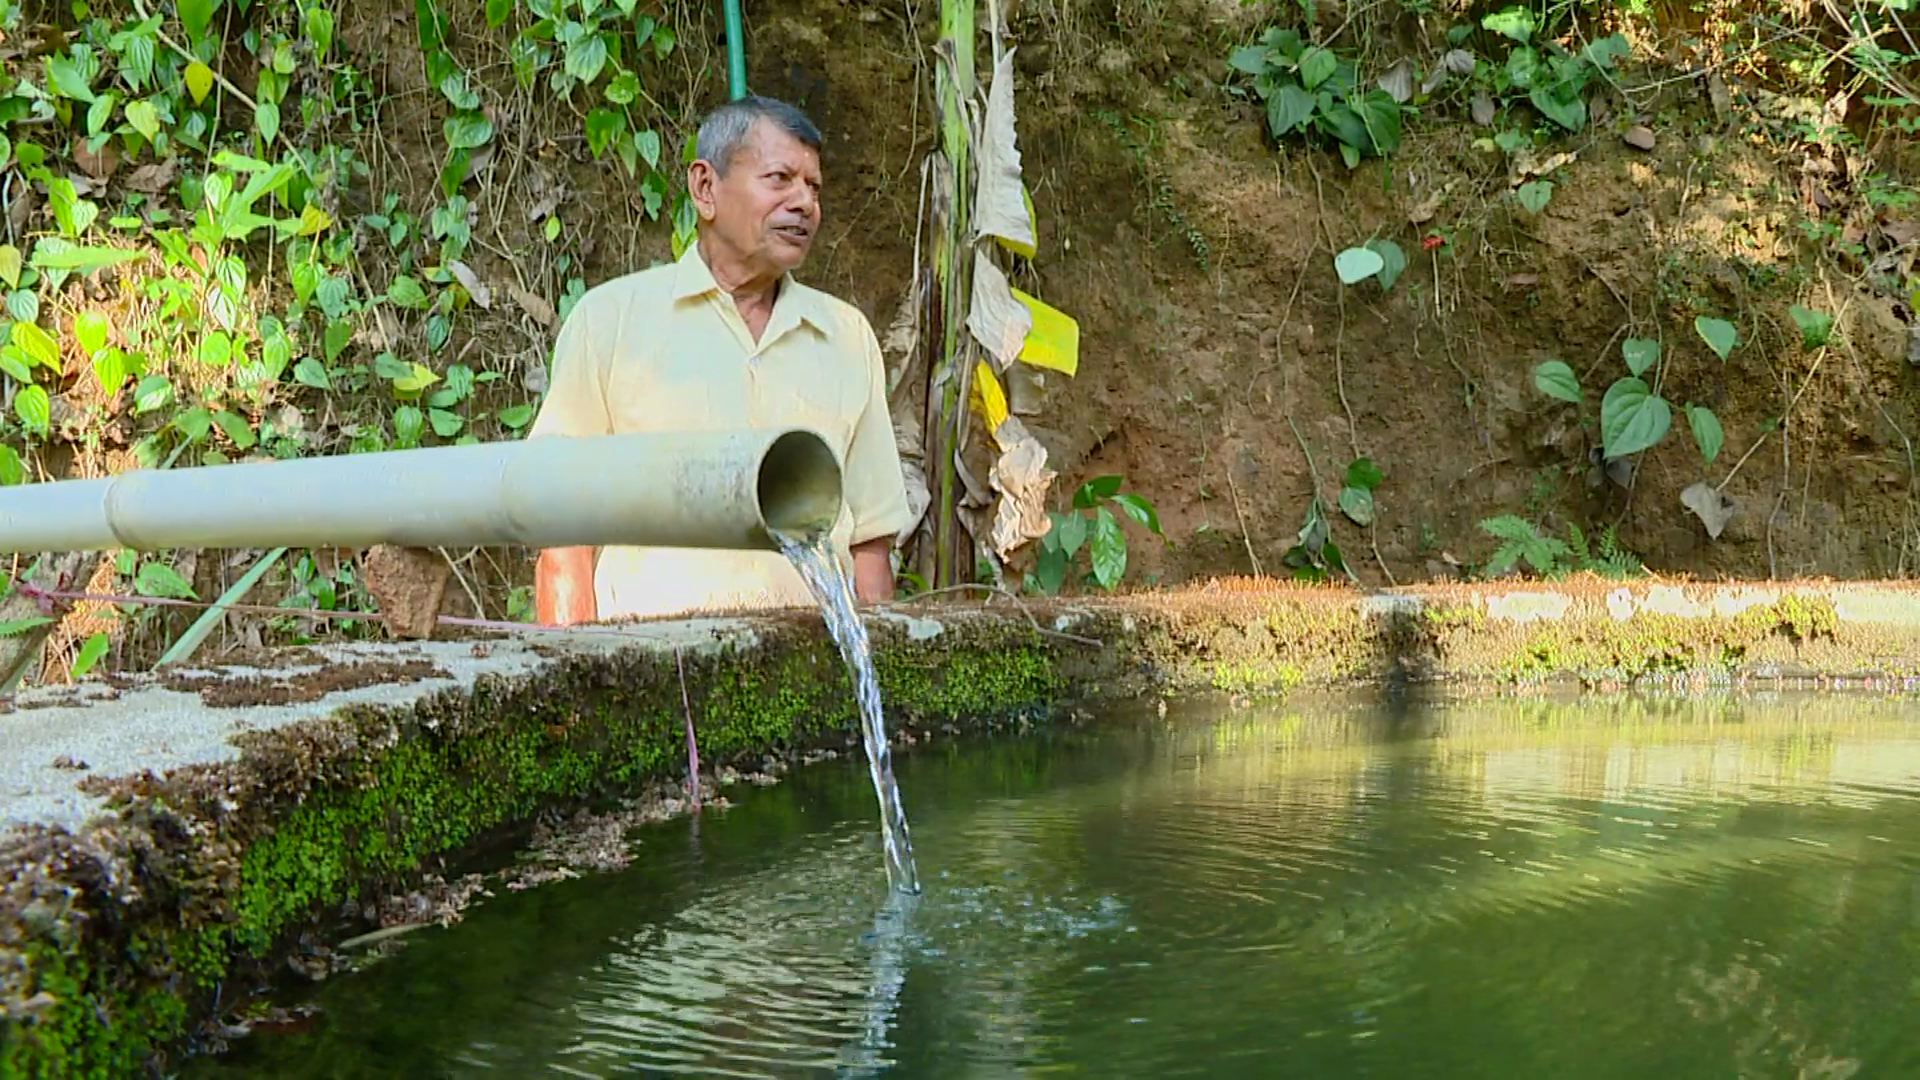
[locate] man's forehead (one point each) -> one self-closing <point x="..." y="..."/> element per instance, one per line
<point x="770" y="144"/>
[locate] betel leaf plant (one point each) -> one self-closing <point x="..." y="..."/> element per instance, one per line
<point x="1379" y="258"/>
<point x="1634" y="416"/>
<point x="1308" y="88"/>
<point x="1551" y="79"/>
<point x="1356" y="497"/>
<point x="1314" y="556"/>
<point x="1091" y="525"/>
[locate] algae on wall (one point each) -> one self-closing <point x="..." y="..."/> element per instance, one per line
<point x="115" y="941"/>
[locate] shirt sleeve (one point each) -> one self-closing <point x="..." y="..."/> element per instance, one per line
<point x="576" y="400"/>
<point x="874" y="487"/>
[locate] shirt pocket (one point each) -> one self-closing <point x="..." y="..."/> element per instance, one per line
<point x="649" y="395"/>
<point x="821" y="392"/>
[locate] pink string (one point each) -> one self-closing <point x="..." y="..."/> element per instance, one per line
<point x="50" y="600"/>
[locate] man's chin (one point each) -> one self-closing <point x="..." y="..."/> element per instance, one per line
<point x="789" y="253"/>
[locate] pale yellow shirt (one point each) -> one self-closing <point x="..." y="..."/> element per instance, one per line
<point x="665" y="349"/>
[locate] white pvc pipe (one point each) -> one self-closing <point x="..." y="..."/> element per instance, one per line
<point x="693" y="489"/>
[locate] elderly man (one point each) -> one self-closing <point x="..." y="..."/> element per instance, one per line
<point x="725" y="339"/>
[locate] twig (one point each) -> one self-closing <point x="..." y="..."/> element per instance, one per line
<point x="466" y="586"/>
<point x="693" y="749"/>
<point x="1312" y="469"/>
<point x="1246" y="534"/>
<point x="1019" y="603"/>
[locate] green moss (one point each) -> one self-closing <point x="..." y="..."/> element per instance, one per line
<point x="100" y="1027"/>
<point x="1245" y="677"/>
<point x="1653" y="645"/>
<point x="430" y="795"/>
<point x="380" y="796"/>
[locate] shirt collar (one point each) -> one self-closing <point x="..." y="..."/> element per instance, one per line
<point x="796" y="303"/>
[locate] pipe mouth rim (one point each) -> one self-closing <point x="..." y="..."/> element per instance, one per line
<point x="798" y="486"/>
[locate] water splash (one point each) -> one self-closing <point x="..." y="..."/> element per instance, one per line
<point x="814" y="559"/>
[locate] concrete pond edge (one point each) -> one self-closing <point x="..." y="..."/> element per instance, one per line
<point x="169" y="834"/>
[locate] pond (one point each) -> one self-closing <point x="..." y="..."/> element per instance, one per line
<point x="1489" y="887"/>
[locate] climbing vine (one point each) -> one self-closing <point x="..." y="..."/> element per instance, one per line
<point x="211" y="254"/>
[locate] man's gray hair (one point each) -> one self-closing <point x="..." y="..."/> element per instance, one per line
<point x="726" y="127"/>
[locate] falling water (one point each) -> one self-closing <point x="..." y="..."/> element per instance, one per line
<point x="813" y="557"/>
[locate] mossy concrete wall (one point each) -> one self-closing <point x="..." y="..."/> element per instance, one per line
<point x="166" y="833"/>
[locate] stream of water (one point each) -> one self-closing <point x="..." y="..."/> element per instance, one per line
<point x="814" y="559"/>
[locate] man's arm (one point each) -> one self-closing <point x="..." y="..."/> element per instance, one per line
<point x="575" y="405"/>
<point x="873" y="570"/>
<point x="876" y="491"/>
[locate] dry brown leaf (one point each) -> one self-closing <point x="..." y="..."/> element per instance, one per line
<point x="535" y="378"/>
<point x="1021" y="477"/>
<point x="997" y="320"/>
<point x="1429" y="207"/>
<point x="535" y="306"/>
<point x="1707" y="503"/>
<point x="1527" y="165"/>
<point x="1484" y="110"/>
<point x="471" y="282"/>
<point x="1000" y="205"/>
<point x="154" y="177"/>
<point x="98" y="164"/>
<point x="1398" y="81"/>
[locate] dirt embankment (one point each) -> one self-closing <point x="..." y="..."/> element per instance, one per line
<point x="1219" y="347"/>
<point x="1225" y="371"/>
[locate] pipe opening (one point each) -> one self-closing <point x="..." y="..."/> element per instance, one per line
<point x="799" y="485"/>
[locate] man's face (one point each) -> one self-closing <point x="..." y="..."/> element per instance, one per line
<point x="766" y="209"/>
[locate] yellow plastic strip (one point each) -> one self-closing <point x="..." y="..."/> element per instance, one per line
<point x="989" y="399"/>
<point x="1054" y="341"/>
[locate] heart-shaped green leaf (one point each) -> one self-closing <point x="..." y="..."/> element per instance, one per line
<point x="1364" y="474"/>
<point x="37" y="344"/>
<point x="1706" y="431"/>
<point x="1816" y="327"/>
<point x="1719" y="335"/>
<point x="1640" y="354"/>
<point x="145" y="118"/>
<point x="1393" y="260"/>
<point x="310" y="372"/>
<point x="1632" y="418"/>
<point x="161" y="580"/>
<point x="1357" y="264"/>
<point x="1556" y="379"/>
<point x="34" y="409"/>
<point x="91" y="328"/>
<point x="1357" y="503"/>
<point x="1534" y="195"/>
<point x="1107" y="548"/>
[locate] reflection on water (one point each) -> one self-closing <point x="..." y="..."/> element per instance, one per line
<point x="1719" y="887"/>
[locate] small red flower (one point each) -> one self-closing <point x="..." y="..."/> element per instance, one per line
<point x="1432" y="241"/>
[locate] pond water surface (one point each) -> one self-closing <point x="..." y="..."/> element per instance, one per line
<point x="1714" y="887"/>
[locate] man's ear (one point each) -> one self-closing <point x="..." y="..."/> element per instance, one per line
<point x="701" y="180"/>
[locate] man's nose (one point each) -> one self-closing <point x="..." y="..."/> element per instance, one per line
<point x="805" y="200"/>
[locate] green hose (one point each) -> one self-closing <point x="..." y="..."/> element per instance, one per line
<point x="736" y="50"/>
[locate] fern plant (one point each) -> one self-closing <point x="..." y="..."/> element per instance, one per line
<point x="1551" y="557"/>
<point x="1608" y="559"/>
<point x="1520" y="540"/>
